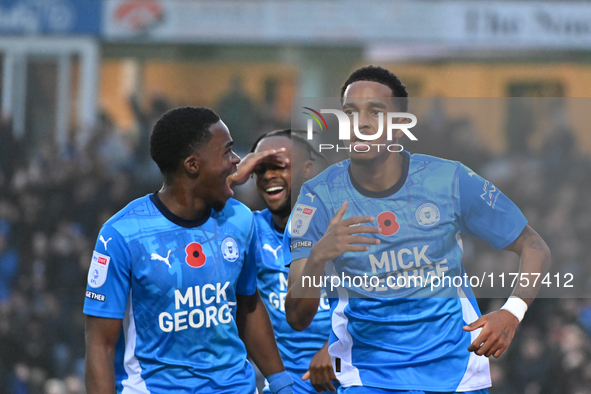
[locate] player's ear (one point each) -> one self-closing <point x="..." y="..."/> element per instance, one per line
<point x="399" y="133"/>
<point x="191" y="164"/>
<point x="308" y="167"/>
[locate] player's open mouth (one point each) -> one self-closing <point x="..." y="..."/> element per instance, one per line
<point x="275" y="192"/>
<point x="358" y="142"/>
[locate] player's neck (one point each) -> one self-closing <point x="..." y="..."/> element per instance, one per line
<point x="280" y="222"/>
<point x="380" y="174"/>
<point x="181" y="201"/>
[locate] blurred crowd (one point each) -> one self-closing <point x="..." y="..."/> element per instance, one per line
<point x="551" y="352"/>
<point x="53" y="202"/>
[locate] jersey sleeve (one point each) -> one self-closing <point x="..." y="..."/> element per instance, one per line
<point x="247" y="281"/>
<point x="307" y="223"/>
<point x="109" y="276"/>
<point x="486" y="212"/>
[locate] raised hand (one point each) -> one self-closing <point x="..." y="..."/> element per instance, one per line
<point x="339" y="236"/>
<point x="248" y="164"/>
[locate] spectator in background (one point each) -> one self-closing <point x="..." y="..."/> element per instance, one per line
<point x="9" y="262"/>
<point x="268" y="118"/>
<point x="239" y="112"/>
<point x="145" y="121"/>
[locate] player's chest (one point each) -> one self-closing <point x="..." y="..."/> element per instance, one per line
<point x="270" y="252"/>
<point x="188" y="257"/>
<point x="408" y="217"/>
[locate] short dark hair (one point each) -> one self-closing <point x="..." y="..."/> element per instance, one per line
<point x="178" y="133"/>
<point x="293" y="135"/>
<point x="383" y="76"/>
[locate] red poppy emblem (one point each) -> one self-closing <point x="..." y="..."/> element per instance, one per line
<point x="195" y="256"/>
<point x="387" y="222"/>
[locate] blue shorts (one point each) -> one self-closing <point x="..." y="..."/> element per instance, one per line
<point x="374" y="390"/>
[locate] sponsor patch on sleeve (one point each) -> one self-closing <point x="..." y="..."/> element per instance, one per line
<point x="300" y="219"/>
<point x="490" y="194"/>
<point x="95" y="296"/>
<point x="300" y="244"/>
<point x="99" y="267"/>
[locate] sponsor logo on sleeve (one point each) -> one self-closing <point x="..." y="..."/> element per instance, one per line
<point x="490" y="194"/>
<point x="99" y="267"/>
<point x="300" y="219"/>
<point x="104" y="241"/>
<point x="95" y="296"/>
<point x="300" y="244"/>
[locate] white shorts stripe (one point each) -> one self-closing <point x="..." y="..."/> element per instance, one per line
<point x="477" y="375"/>
<point x="349" y="374"/>
<point x="134" y="384"/>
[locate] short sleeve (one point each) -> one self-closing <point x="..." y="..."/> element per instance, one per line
<point x="247" y="281"/>
<point x="307" y="223"/>
<point x="109" y="276"/>
<point x="486" y="212"/>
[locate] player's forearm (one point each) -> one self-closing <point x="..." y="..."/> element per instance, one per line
<point x="256" y="331"/>
<point x="535" y="259"/>
<point x="303" y="297"/>
<point x="101" y="338"/>
<point x="99" y="370"/>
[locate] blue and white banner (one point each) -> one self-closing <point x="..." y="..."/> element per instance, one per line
<point x="50" y="17"/>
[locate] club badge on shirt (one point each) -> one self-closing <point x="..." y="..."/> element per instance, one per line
<point x="427" y="215"/>
<point x="230" y="249"/>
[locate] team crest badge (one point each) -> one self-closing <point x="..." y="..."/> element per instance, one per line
<point x="230" y="249"/>
<point x="99" y="267"/>
<point x="427" y="215"/>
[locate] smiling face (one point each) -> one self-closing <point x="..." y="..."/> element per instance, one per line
<point x="275" y="179"/>
<point x="216" y="162"/>
<point x="369" y="100"/>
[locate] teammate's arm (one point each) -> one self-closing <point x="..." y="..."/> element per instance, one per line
<point x="301" y="301"/>
<point x="247" y="165"/>
<point x="256" y="331"/>
<point x="320" y="371"/>
<point x="498" y="328"/>
<point x="99" y="364"/>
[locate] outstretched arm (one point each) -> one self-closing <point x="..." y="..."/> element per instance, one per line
<point x="498" y="328"/>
